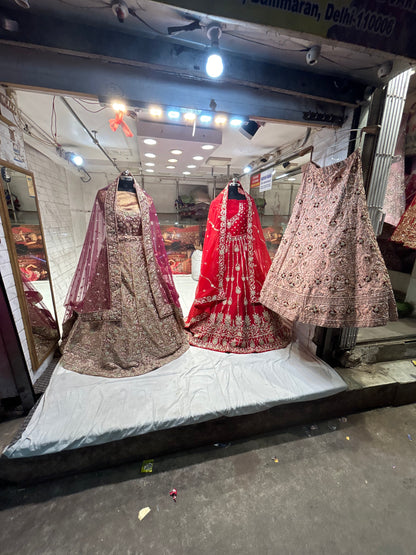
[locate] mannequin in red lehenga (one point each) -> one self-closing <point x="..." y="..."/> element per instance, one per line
<point x="226" y="314"/>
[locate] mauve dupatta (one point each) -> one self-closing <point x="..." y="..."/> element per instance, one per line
<point x="95" y="290"/>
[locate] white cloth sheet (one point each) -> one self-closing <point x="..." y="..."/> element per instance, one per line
<point x="80" y="410"/>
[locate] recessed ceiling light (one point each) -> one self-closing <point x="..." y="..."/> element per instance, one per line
<point x="207" y="147"/>
<point x="191" y="166"/>
<point x="220" y="120"/>
<point x="150" y="155"/>
<point x="247" y="169"/>
<point x="198" y="158"/>
<point x="155" y="111"/>
<point x="173" y="114"/>
<point x="186" y="173"/>
<point x="291" y="178"/>
<point x="150" y="142"/>
<point x="205" y="118"/>
<point x="171" y="167"/>
<point x="149" y="170"/>
<point x="176" y="151"/>
<point x="236" y="122"/>
<point x="172" y="160"/>
<point x="189" y="116"/>
<point x="151" y="164"/>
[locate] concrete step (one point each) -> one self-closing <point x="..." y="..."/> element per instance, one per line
<point x="369" y="386"/>
<point x="372" y="352"/>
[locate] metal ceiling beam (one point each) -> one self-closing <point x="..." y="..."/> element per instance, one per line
<point x="174" y="58"/>
<point x="139" y="87"/>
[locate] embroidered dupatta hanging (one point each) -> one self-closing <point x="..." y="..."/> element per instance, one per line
<point x="95" y="291"/>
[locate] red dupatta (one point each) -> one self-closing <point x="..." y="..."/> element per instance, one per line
<point x="210" y="287"/>
<point x="95" y="289"/>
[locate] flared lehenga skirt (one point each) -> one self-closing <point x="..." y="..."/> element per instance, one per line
<point x="141" y="341"/>
<point x="328" y="270"/>
<point x="236" y="324"/>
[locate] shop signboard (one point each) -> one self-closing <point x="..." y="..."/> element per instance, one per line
<point x="266" y="179"/>
<point x="255" y="181"/>
<point x="386" y="25"/>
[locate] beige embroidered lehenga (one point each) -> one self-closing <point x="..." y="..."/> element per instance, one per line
<point x="129" y="320"/>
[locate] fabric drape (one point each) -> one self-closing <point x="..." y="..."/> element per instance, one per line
<point x="328" y="270"/>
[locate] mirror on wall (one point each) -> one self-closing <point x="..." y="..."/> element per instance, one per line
<point x="24" y="235"/>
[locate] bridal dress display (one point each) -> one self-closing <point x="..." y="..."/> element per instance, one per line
<point x="226" y="314"/>
<point x="126" y="309"/>
<point x="328" y="270"/>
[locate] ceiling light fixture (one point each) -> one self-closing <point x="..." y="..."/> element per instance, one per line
<point x="291" y="178"/>
<point x="220" y="119"/>
<point x="118" y="107"/>
<point x="173" y="114"/>
<point x="281" y="176"/>
<point x="155" y="111"/>
<point x="171" y="167"/>
<point x="149" y="142"/>
<point x="207" y="147"/>
<point x="149" y="170"/>
<point x="150" y="155"/>
<point x="214" y="66"/>
<point x="151" y="164"/>
<point x="186" y="173"/>
<point x="176" y="151"/>
<point x="172" y="160"/>
<point x="205" y="118"/>
<point x="236" y="122"/>
<point x="77" y="160"/>
<point x="198" y="158"/>
<point x="191" y="166"/>
<point x="247" y="169"/>
<point x="189" y="116"/>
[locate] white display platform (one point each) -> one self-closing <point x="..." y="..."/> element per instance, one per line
<point x="79" y="410"/>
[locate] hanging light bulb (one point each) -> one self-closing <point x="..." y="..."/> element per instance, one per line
<point x="215" y="65"/>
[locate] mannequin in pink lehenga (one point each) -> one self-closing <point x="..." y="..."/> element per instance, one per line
<point x="129" y="318"/>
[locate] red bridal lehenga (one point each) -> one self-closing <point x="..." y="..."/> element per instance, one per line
<point x="129" y="318"/>
<point x="328" y="270"/>
<point x="226" y="314"/>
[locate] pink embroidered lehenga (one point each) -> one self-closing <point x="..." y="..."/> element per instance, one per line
<point x="328" y="270"/>
<point x="129" y="318"/>
<point x="226" y="314"/>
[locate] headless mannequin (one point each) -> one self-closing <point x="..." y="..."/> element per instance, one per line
<point x="125" y="187"/>
<point x="125" y="182"/>
<point x="233" y="192"/>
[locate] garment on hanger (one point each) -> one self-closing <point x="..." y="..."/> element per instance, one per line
<point x="226" y="315"/>
<point x="129" y="318"/>
<point x="328" y="270"/>
<point x="405" y="232"/>
<point x="395" y="199"/>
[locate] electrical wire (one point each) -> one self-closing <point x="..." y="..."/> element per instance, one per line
<point x="262" y="44"/>
<point x="87" y="109"/>
<point x="134" y="14"/>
